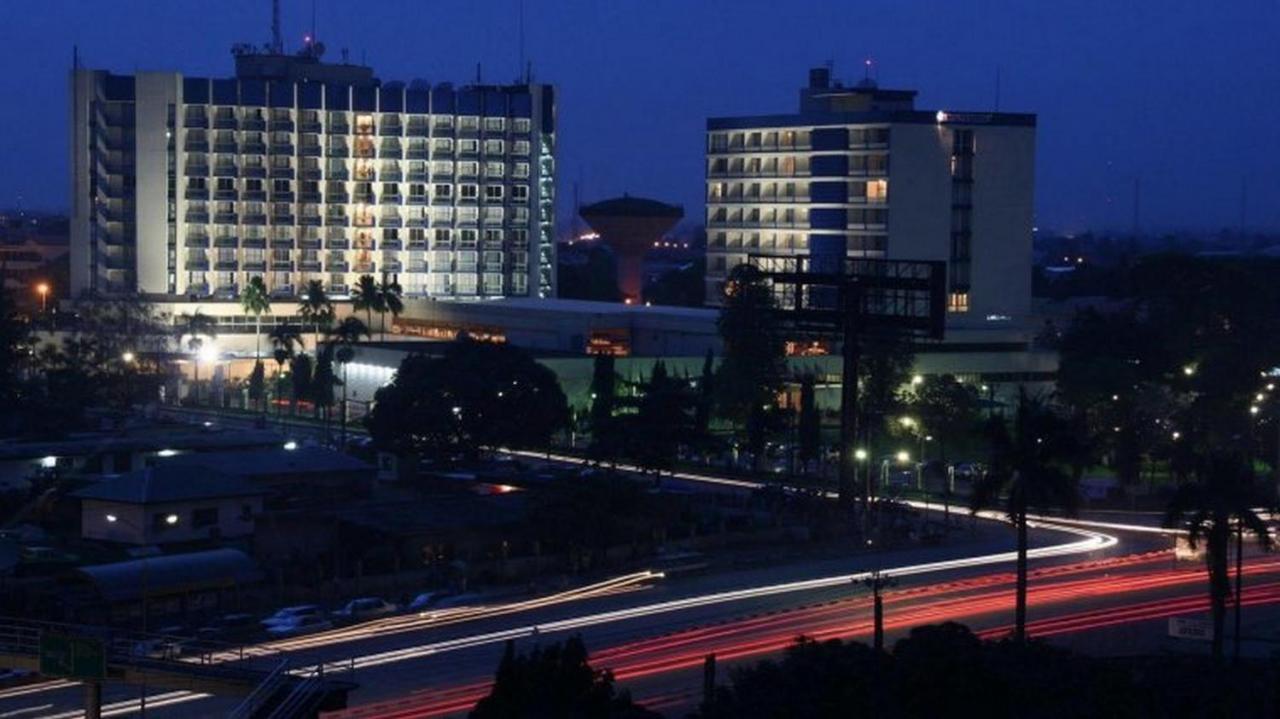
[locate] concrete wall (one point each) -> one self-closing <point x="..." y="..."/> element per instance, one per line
<point x="135" y="523"/>
<point x="155" y="92"/>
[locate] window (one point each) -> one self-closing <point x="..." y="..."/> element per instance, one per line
<point x="390" y="188"/>
<point x="444" y="191"/>
<point x="468" y="147"/>
<point x="468" y="192"/>
<point x="493" y="147"/>
<point x="958" y="302"/>
<point x="493" y="237"/>
<point x="417" y="190"/>
<point x="877" y="190"/>
<point x="493" y="193"/>
<point x="494" y="169"/>
<point x="520" y="169"/>
<point x="281" y="186"/>
<point x="468" y="122"/>
<point x="444" y="144"/>
<point x="521" y="124"/>
<point x="204" y="517"/>
<point x="468" y="214"/>
<point x="493" y="124"/>
<point x="467" y="239"/>
<point x="468" y="169"/>
<point x="442" y="167"/>
<point x="520" y="193"/>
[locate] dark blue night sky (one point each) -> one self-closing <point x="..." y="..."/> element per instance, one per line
<point x="1185" y="94"/>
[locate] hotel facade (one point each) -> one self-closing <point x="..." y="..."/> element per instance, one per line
<point x="185" y="188"/>
<point x="860" y="172"/>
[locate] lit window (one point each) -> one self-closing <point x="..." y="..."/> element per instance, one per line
<point x="958" y="302"/>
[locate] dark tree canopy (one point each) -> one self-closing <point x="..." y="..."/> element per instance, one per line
<point x="475" y="395"/>
<point x="554" y="681"/>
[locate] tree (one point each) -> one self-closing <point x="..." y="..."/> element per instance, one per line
<point x="254" y="300"/>
<point x="389" y="297"/>
<point x="348" y="332"/>
<point x="663" y="421"/>
<point x="706" y="398"/>
<point x="753" y="367"/>
<point x="605" y="441"/>
<point x="552" y="681"/>
<point x="284" y="338"/>
<point x="809" y="423"/>
<point x="196" y="327"/>
<point x="300" y="375"/>
<point x="316" y="309"/>
<point x="1025" y="464"/>
<point x="946" y="408"/>
<point x="366" y="298"/>
<point x="475" y="395"/>
<point x="1223" y="493"/>
<point x="257" y="384"/>
<point x="323" y="381"/>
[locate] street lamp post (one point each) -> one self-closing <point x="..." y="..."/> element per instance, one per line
<point x="43" y="290"/>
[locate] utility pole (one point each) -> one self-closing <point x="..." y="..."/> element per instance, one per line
<point x="877" y="582"/>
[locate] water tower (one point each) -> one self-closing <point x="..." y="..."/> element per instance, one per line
<point x="630" y="226"/>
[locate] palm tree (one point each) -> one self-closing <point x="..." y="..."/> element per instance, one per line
<point x="283" y="338"/>
<point x="1222" y="494"/>
<point x="195" y="326"/>
<point x="389" y="293"/>
<point x="345" y="336"/>
<point x="316" y="308"/>
<point x="1026" y="465"/>
<point x="255" y="301"/>
<point x="366" y="297"/>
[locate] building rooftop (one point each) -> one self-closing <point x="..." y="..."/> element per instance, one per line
<point x="628" y="206"/>
<point x="154" y="441"/>
<point x="166" y="483"/>
<point x="272" y="462"/>
<point x="167" y="574"/>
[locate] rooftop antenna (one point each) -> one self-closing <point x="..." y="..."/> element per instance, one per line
<point x="277" y="45"/>
<point x="866" y="70"/>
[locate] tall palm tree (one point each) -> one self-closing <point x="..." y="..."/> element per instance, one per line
<point x="389" y="293"/>
<point x="195" y="327"/>
<point x="316" y="308"/>
<point x="1223" y="493"/>
<point x="366" y="297"/>
<point x="255" y="301"/>
<point x="284" y="338"/>
<point x="345" y="336"/>
<point x="1026" y="465"/>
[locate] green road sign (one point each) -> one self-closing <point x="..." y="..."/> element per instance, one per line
<point x="71" y="656"/>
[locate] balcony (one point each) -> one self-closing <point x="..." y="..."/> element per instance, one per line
<point x="416" y="200"/>
<point x="338" y="151"/>
<point x="417" y="267"/>
<point x="313" y="127"/>
<point x="200" y="241"/>
<point x="195" y="289"/>
<point x="309" y="265"/>
<point x="281" y="243"/>
<point x="254" y="243"/>
<point x="341" y="266"/>
<point x="366" y="268"/>
<point x="281" y="173"/>
<point x="194" y="193"/>
<point x="337" y="198"/>
<point x="308" y="220"/>
<point x="391" y="152"/>
<point x="256" y="171"/>
<point x="309" y="243"/>
<point x="194" y="145"/>
<point x="226" y="265"/>
<point x="337" y="243"/>
<point x="197" y="265"/>
<point x="390" y="221"/>
<point x="391" y="198"/>
<point x="194" y="122"/>
<point x="417" y="176"/>
<point x="309" y="198"/>
<point x="416" y="221"/>
<point x="257" y="218"/>
<point x="392" y="266"/>
<point x="392" y="245"/>
<point x="417" y="244"/>
<point x="282" y="220"/>
<point x="417" y="129"/>
<point x="255" y="266"/>
<point x="337" y="220"/>
<point x="282" y="196"/>
<point x="280" y="125"/>
<point x="196" y="170"/>
<point x="226" y="171"/>
<point x="310" y="151"/>
<point x="226" y="218"/>
<point x="282" y="290"/>
<point x="417" y="153"/>
<point x="339" y="127"/>
<point x="225" y="122"/>
<point x="255" y="148"/>
<point x="197" y="217"/>
<point x="227" y="292"/>
<point x="253" y="124"/>
<point x="340" y="173"/>
<point x="365" y="198"/>
<point x="226" y="242"/>
<point x="392" y="176"/>
<point x="226" y="195"/>
<point x="311" y="173"/>
<point x="255" y="195"/>
<point x="282" y="148"/>
<point x="391" y="129"/>
<point x="281" y="266"/>
<point x="229" y="148"/>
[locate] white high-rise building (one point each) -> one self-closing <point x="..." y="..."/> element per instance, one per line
<point x="860" y="172"/>
<point x="184" y="188"/>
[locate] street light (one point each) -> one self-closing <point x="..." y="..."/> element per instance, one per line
<point x="917" y="380"/>
<point x="43" y="290"/>
<point x="903" y="456"/>
<point x="170" y="519"/>
<point x="860" y="454"/>
<point x="128" y="357"/>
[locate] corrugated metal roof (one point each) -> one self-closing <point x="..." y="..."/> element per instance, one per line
<point x="168" y="483"/>
<point x="172" y="574"/>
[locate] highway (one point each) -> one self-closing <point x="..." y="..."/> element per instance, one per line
<point x="653" y="631"/>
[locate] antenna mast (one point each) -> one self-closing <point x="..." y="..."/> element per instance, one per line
<point x="277" y="45"/>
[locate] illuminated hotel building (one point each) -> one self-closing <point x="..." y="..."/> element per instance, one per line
<point x="860" y="172"/>
<point x="184" y="188"/>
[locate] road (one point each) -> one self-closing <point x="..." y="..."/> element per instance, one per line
<point x="1089" y="577"/>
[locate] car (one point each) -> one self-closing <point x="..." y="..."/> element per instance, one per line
<point x="365" y="608"/>
<point x="289" y="614"/>
<point x="303" y="624"/>
<point x="424" y="600"/>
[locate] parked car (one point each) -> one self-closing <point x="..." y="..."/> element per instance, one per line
<point x="440" y="599"/>
<point x="303" y="624"/>
<point x="358" y="610"/>
<point x="290" y="614"/>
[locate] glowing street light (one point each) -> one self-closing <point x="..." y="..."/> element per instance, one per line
<point x="128" y="357"/>
<point x="903" y="456"/>
<point x="43" y="290"/>
<point x="908" y="421"/>
<point x="917" y="380"/>
<point x="207" y="353"/>
<point x="860" y="454"/>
